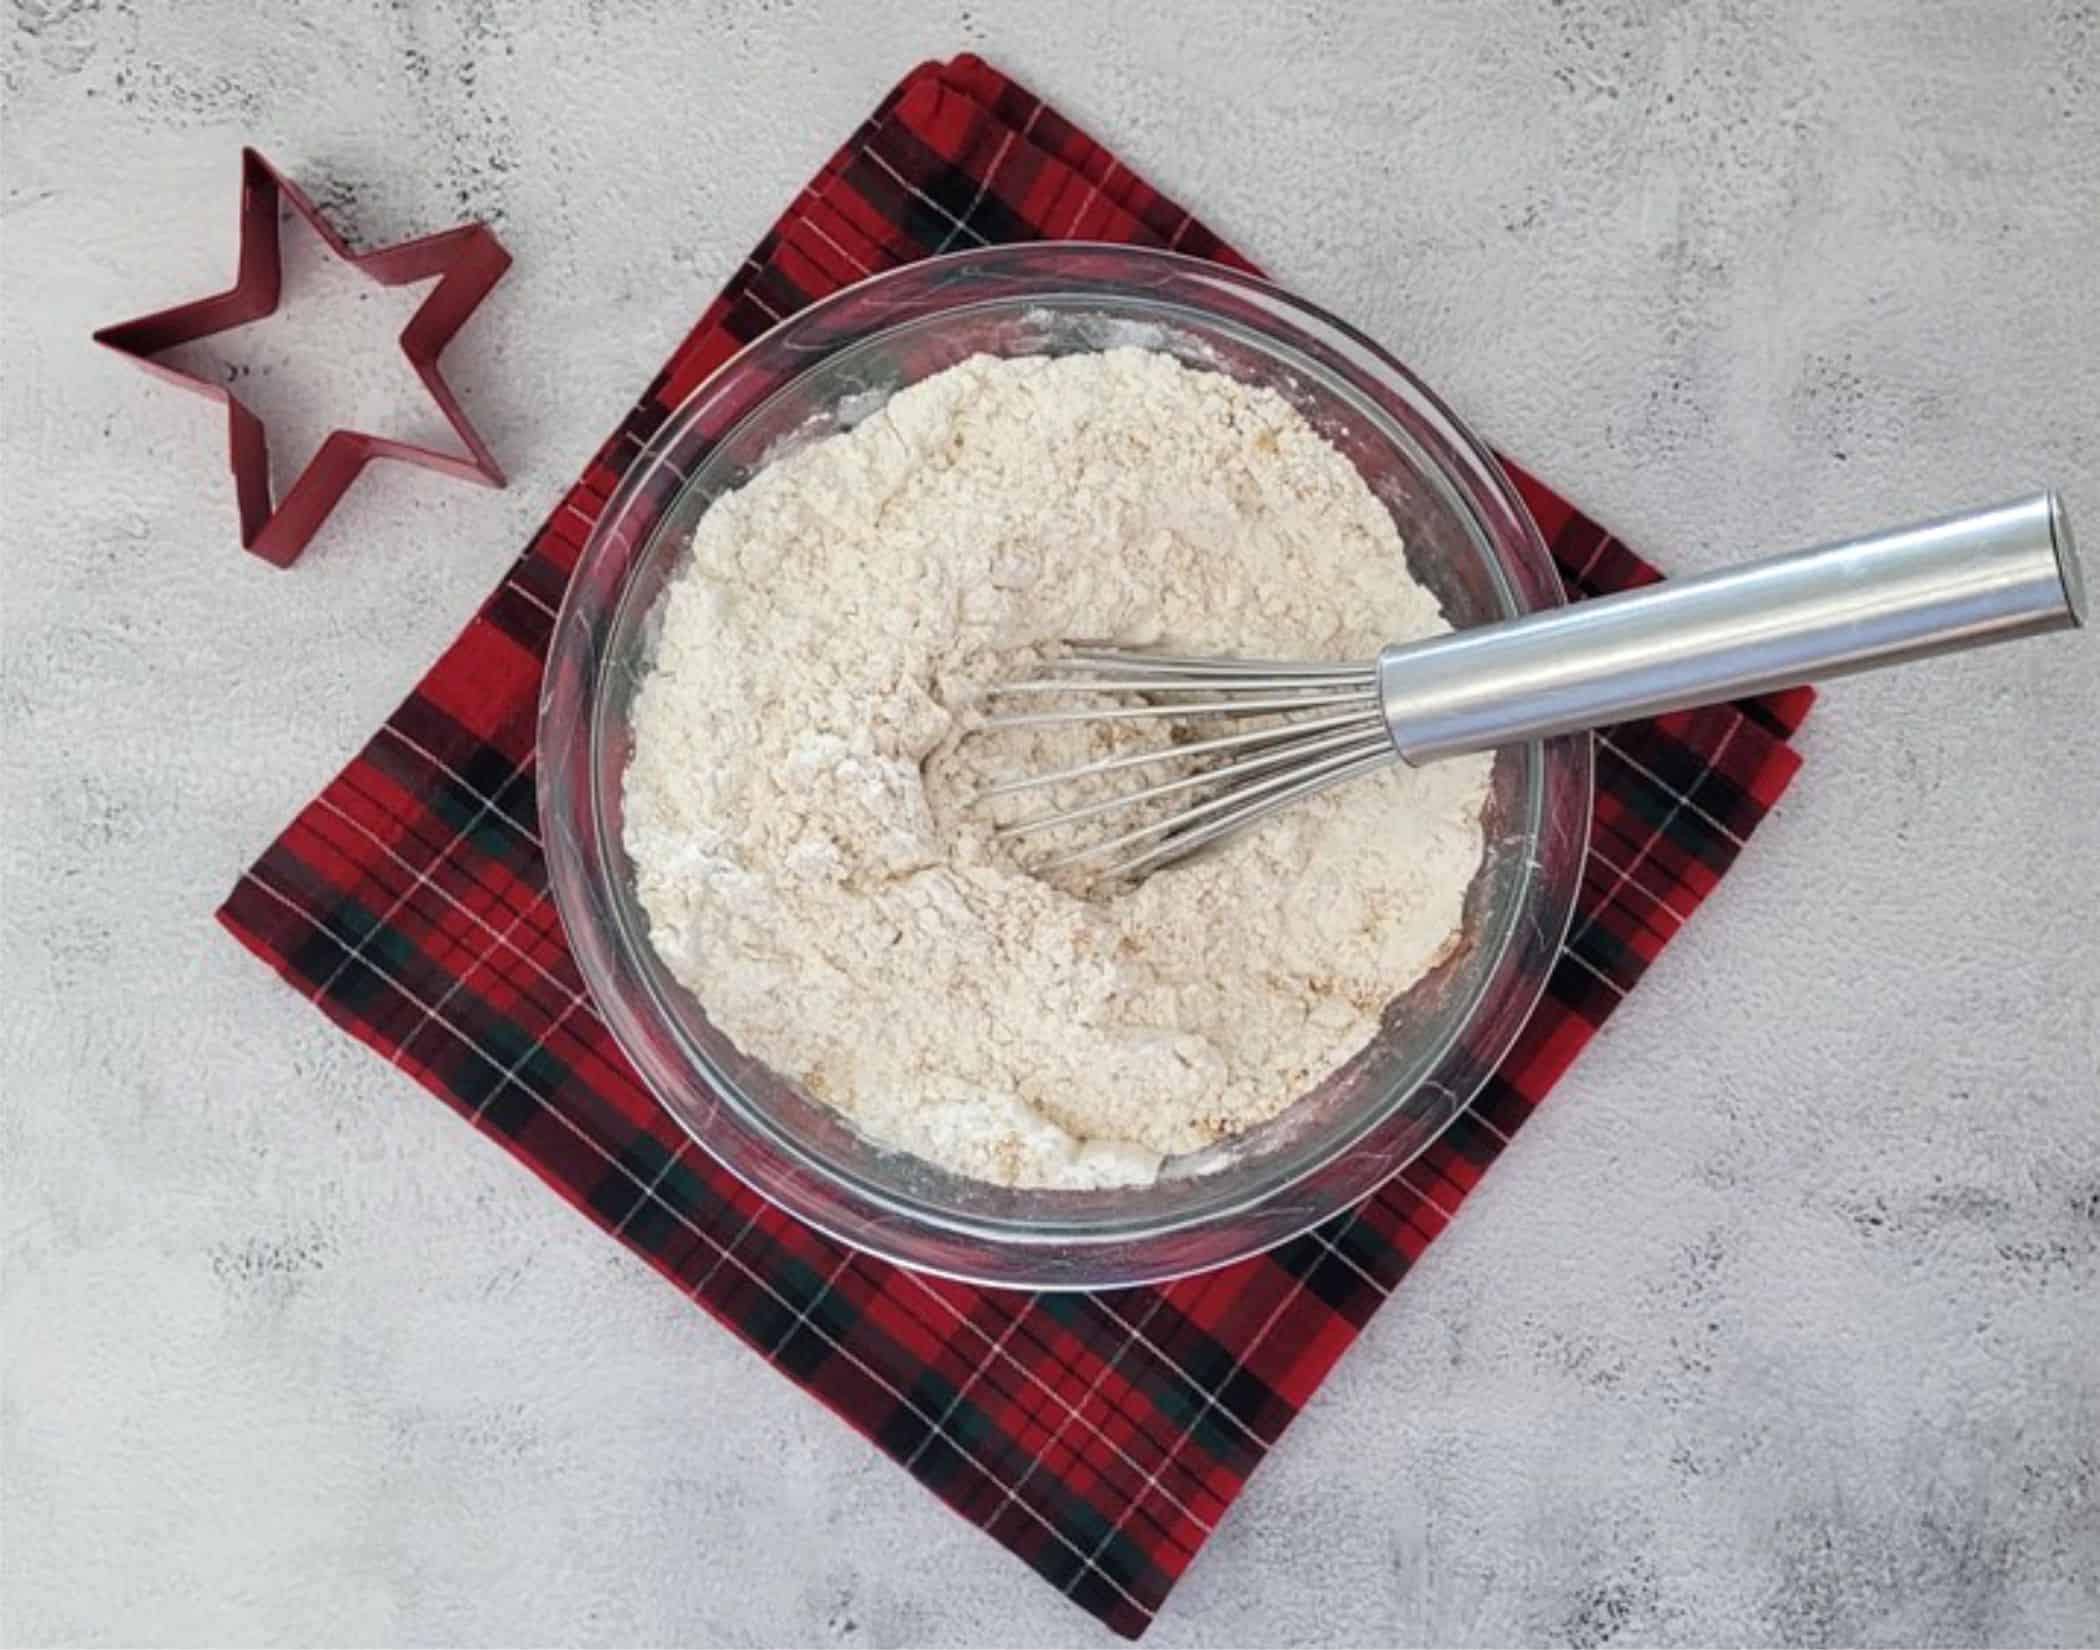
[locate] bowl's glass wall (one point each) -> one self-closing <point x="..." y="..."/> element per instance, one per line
<point x="1467" y="538"/>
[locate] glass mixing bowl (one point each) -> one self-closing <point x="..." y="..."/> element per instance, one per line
<point x="1468" y="538"/>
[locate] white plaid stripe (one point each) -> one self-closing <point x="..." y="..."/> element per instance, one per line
<point x="537" y="905"/>
<point x="649" y="1191"/>
<point x="1209" y="1399"/>
<point x="1093" y="194"/>
<point x="1109" y="1365"/>
<point x="1210" y="1403"/>
<point x="818" y="230"/>
<point x="1242" y="1355"/>
<point x="801" y="1318"/>
<point x="1591" y="969"/>
<point x="509" y="1077"/>
<point x="1422" y="1194"/>
<point x="724" y="1250"/>
<point x="1629" y="880"/>
<point x="997" y="1349"/>
<point x="963" y="1391"/>
<point x="572" y="1000"/>
<point x="421" y="879"/>
<point x="510" y="582"/>
<point x="983" y="188"/>
<point x="489" y="804"/>
<point x="749" y="293"/>
<point x="1707" y="765"/>
<point x="1680" y="801"/>
<point x="1589" y="564"/>
<point x="876" y="157"/>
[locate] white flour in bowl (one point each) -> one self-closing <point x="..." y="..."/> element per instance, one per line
<point x="794" y="806"/>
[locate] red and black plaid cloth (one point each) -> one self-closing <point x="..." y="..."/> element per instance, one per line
<point x="1101" y="1437"/>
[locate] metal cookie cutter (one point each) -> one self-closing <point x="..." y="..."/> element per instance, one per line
<point x="467" y="262"/>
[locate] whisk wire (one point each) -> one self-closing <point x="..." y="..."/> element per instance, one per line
<point x="1181" y="845"/>
<point x="1367" y="697"/>
<point x="1232" y="798"/>
<point x="1355" y="740"/>
<point x="1254" y="737"/>
<point x="1322" y="722"/>
<point x="1081" y="659"/>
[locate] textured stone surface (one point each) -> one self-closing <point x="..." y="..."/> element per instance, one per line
<point x="1776" y="1325"/>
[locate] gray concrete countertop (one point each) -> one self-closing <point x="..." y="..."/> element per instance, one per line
<point x="1777" y="1325"/>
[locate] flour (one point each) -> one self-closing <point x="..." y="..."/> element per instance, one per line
<point x="795" y="803"/>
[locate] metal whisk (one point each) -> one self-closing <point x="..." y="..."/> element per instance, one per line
<point x="1989" y="575"/>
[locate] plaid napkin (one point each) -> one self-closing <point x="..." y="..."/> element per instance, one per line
<point x="1101" y="1437"/>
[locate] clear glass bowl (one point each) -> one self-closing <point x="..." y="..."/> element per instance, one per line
<point x="1468" y="537"/>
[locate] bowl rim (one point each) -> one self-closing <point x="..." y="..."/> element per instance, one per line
<point x="734" y="1131"/>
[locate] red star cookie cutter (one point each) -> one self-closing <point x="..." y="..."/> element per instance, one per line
<point x="467" y="262"/>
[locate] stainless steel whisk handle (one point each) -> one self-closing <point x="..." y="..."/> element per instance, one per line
<point x="1988" y="575"/>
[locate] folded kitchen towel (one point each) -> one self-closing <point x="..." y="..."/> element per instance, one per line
<point x="1101" y="1437"/>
